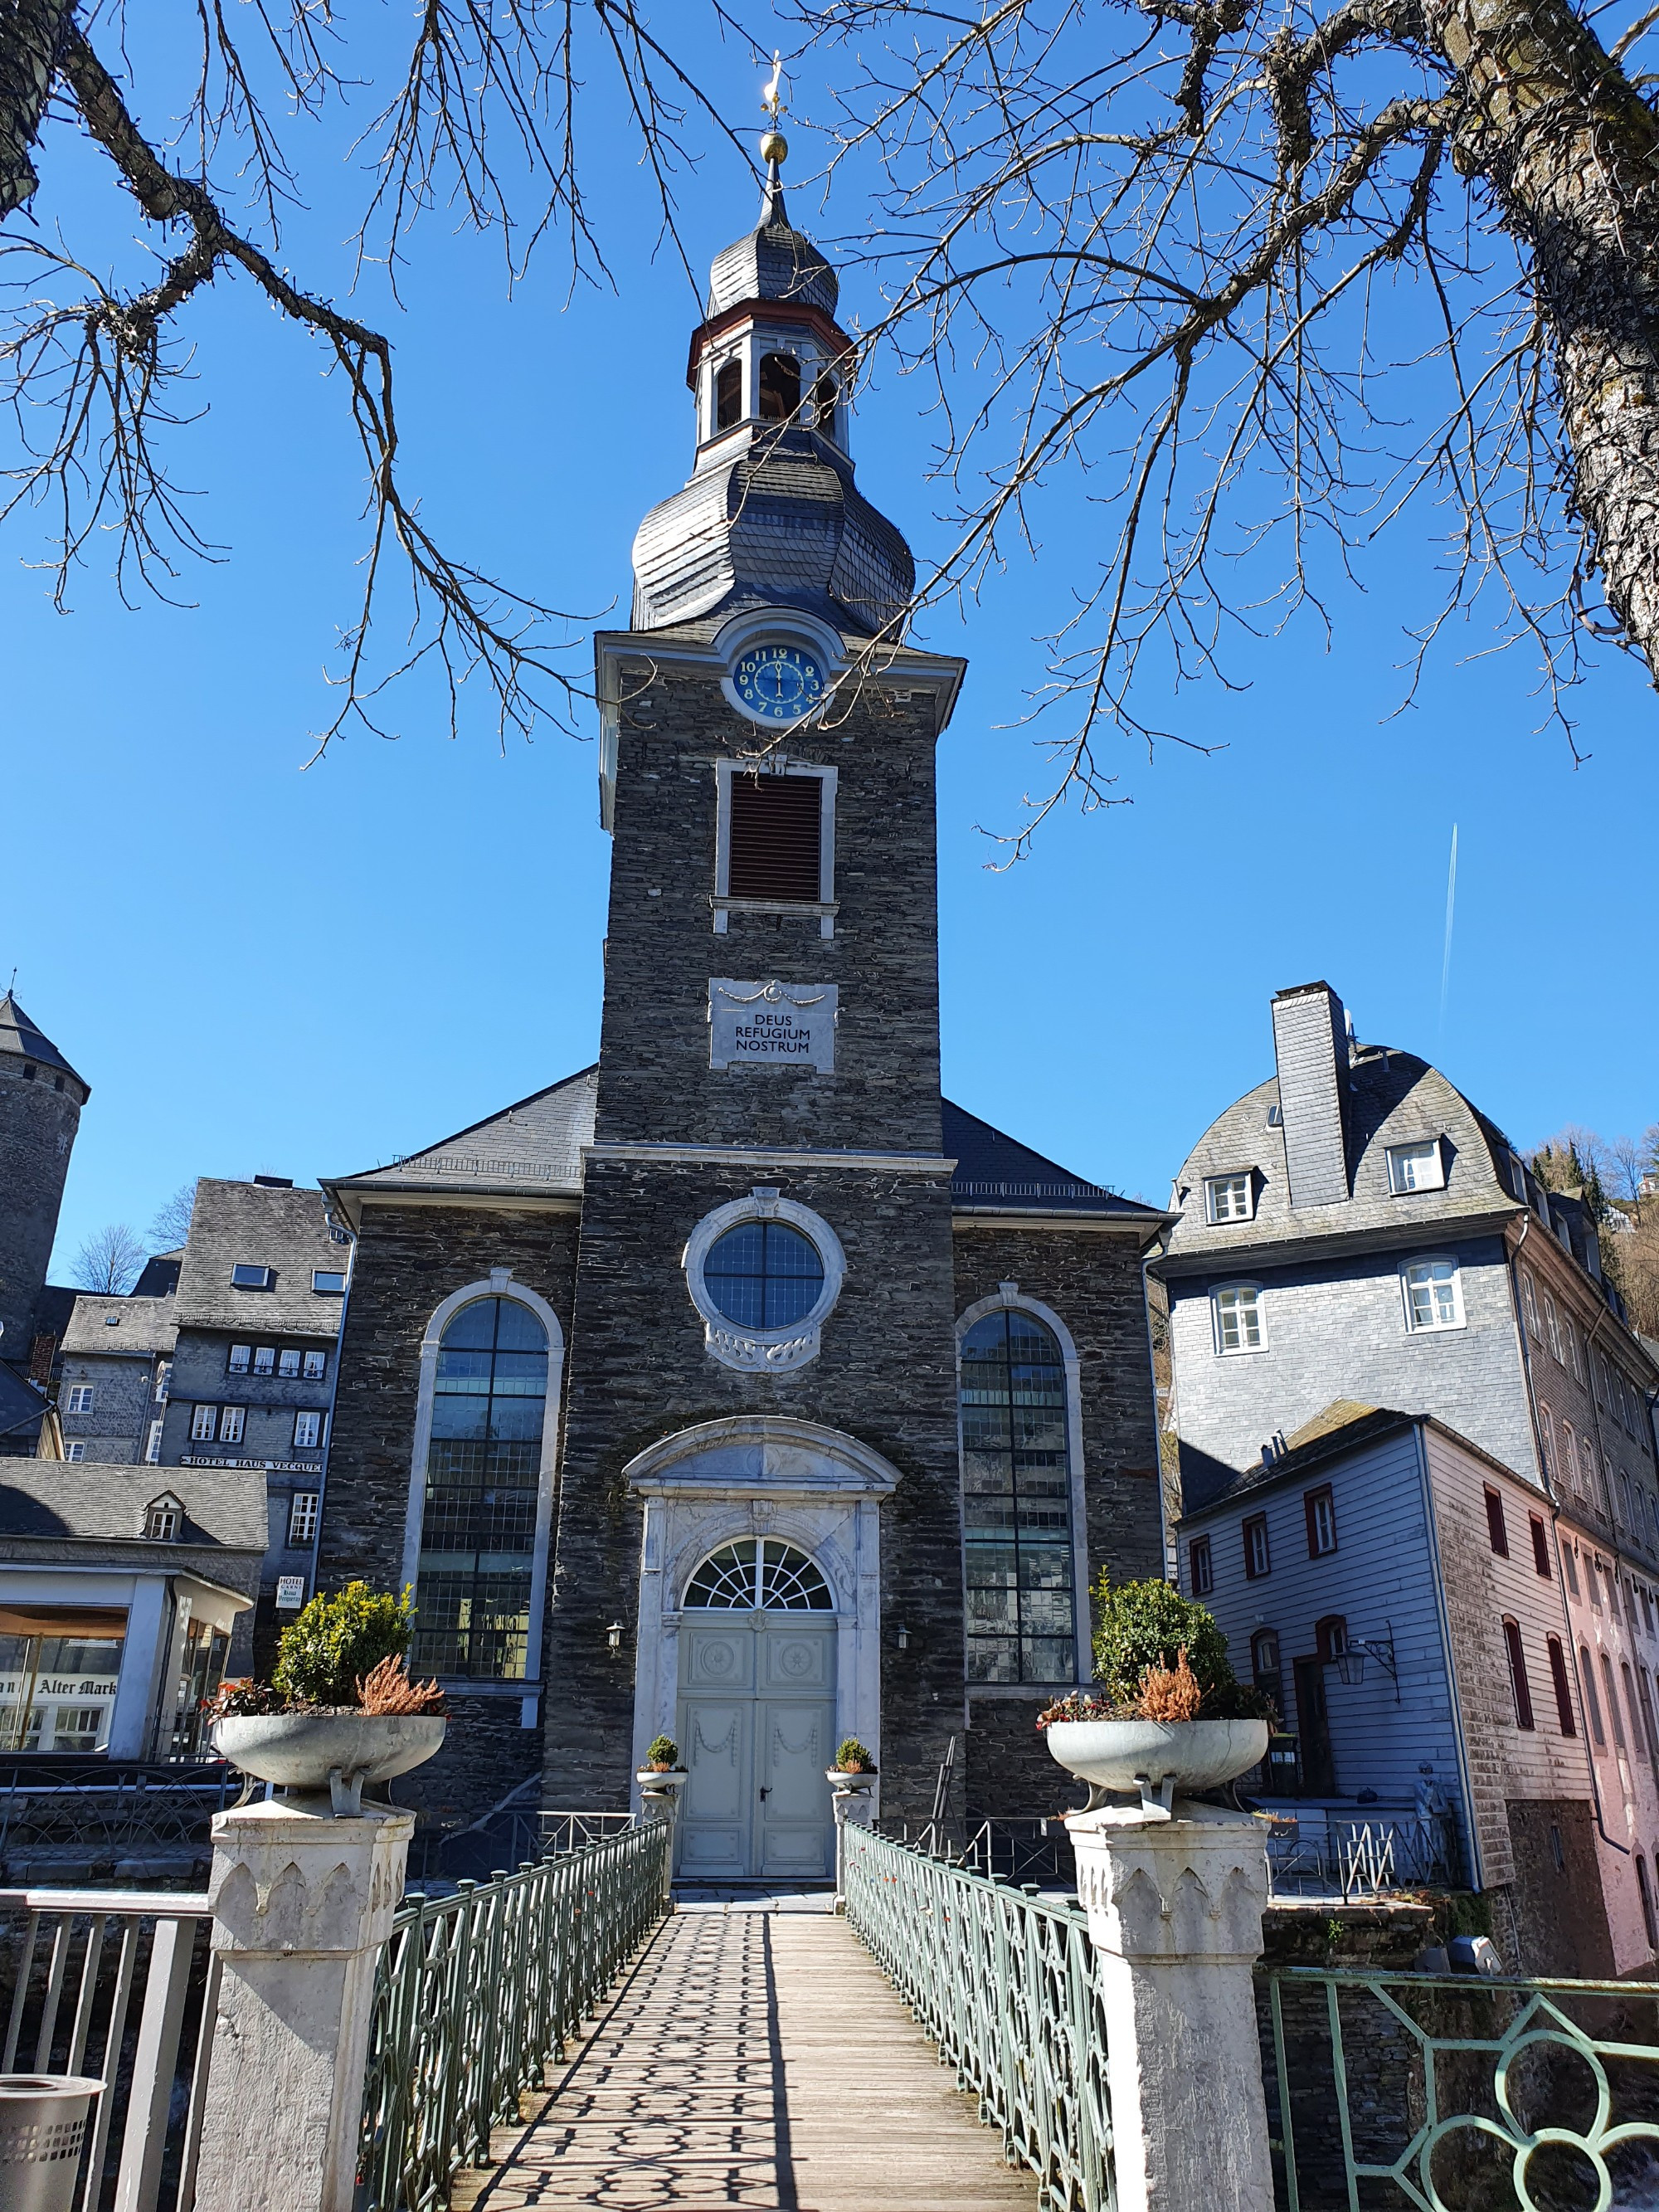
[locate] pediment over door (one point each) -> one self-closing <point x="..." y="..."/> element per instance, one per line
<point x="755" y="1454"/>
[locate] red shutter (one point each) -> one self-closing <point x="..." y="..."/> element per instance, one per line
<point x="1563" y="1688"/>
<point x="1495" y="1529"/>
<point x="1540" y="1547"/>
<point x="1518" y="1674"/>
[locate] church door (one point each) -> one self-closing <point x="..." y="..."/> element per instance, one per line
<point x="757" y="1717"/>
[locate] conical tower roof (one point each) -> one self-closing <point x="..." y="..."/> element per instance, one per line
<point x="776" y="261"/>
<point x="20" y="1037"/>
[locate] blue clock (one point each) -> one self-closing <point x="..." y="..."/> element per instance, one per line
<point x="779" y="683"/>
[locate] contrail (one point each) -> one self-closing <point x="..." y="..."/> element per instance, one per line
<point x="1451" y="901"/>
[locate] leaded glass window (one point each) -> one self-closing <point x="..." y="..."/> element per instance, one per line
<point x="482" y="1477"/>
<point x="764" y="1274"/>
<point x="761" y="1573"/>
<point x="1017" y="1503"/>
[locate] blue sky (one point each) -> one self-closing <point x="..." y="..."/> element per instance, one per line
<point x="263" y="967"/>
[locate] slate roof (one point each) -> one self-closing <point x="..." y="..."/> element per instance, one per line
<point x="533" y="1147"/>
<point x="117" y="1327"/>
<point x="1392" y="1098"/>
<point x="21" y="1406"/>
<point x="1344" y="1427"/>
<point x="18" y="1035"/>
<point x="262" y="1226"/>
<point x="160" y="1276"/>
<point x="85" y="1501"/>
<point x="996" y="1173"/>
<point x="774" y="261"/>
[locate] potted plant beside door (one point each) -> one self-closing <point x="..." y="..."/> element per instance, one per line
<point x="1172" y="1715"/>
<point x="853" y="1769"/>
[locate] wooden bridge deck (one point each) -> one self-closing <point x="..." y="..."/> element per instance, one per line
<point x="752" y="2061"/>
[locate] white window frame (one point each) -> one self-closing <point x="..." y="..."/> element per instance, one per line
<point x="303" y="1513"/>
<point x="1320" y="1509"/>
<point x="1257" y="1563"/>
<point x="153" y="1445"/>
<point x="1430" y="1152"/>
<point x="1215" y="1185"/>
<point x="203" y="1425"/>
<point x="238" y="1360"/>
<point x="1224" y="1351"/>
<point x="498" y="1284"/>
<point x="75" y="1451"/>
<point x="1435" y="1326"/>
<point x="80" y="1396"/>
<point x="313" y="1442"/>
<point x="824" y="905"/>
<point x="232" y="1424"/>
<point x="334" y="1288"/>
<point x="290" y="1358"/>
<point x="163" y="1382"/>
<point x="1553" y="1330"/>
<point x="315" y="1365"/>
<point x="1530" y="1304"/>
<point x="1009" y="1296"/>
<point x="1204" y="1586"/>
<point x="264" y="1359"/>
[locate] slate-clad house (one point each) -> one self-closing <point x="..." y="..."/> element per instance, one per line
<point x="1379" y="1322"/>
<point x="116" y="1362"/>
<point x="740" y="1387"/>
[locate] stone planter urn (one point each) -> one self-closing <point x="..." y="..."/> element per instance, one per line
<point x="660" y="1787"/>
<point x="851" y="1777"/>
<point x="1157" y="1760"/>
<point x="332" y="1754"/>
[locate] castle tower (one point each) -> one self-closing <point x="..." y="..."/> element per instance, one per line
<point x="40" y="1101"/>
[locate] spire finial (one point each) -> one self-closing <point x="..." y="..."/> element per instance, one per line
<point x="773" y="146"/>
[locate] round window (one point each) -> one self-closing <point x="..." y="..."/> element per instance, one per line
<point x="764" y="1274"/>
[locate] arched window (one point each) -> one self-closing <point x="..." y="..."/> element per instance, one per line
<point x="764" y="1274"/>
<point x="761" y="1574"/>
<point x="1267" y="1670"/>
<point x="1016" y="1502"/>
<point x="825" y="396"/>
<point x="1331" y="1636"/>
<point x="477" y="1555"/>
<point x="779" y="387"/>
<point x="728" y="394"/>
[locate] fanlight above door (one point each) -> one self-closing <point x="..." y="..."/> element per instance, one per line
<point x="760" y="1574"/>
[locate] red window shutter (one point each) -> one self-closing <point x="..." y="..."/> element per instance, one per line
<point x="776" y="829"/>
<point x="1495" y="1529"/>
<point x="1562" y="1687"/>
<point x="1518" y="1675"/>
<point x="1540" y="1547"/>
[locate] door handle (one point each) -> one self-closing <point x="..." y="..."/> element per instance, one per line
<point x="765" y="1792"/>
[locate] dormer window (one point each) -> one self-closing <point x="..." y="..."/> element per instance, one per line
<point x="1230" y="1197"/>
<point x="245" y="1276"/>
<point x="163" y="1518"/>
<point x="1416" y="1167"/>
<point x="779" y="387"/>
<point x="728" y="395"/>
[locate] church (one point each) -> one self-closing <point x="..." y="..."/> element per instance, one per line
<point x="741" y="1388"/>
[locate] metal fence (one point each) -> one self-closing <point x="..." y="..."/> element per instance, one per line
<point x="1005" y="1982"/>
<point x="1335" y="1857"/>
<point x="1442" y="2094"/>
<point x="1018" y="1851"/>
<point x="114" y="1984"/>
<point x="72" y="1821"/>
<point x="477" y="1991"/>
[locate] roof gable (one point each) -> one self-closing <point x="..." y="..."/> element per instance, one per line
<point x="535" y="1145"/>
<point x="995" y="1172"/>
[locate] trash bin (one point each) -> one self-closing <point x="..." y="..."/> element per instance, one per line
<point x="43" y="2125"/>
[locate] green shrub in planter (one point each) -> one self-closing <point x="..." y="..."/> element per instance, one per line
<point x="852" y="1758"/>
<point x="662" y="1752"/>
<point x="323" y="1655"/>
<point x="1142" y="1624"/>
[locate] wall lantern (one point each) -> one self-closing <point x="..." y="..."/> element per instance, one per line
<point x="613" y="1635"/>
<point x="1350" y="1661"/>
<point x="902" y="1636"/>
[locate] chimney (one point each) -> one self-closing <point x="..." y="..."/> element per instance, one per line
<point x="1310" y="1043"/>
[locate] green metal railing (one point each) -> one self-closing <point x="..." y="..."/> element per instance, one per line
<point x="1005" y="1982"/>
<point x="476" y="1992"/>
<point x="1445" y="2093"/>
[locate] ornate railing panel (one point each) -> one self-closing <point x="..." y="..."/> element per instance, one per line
<point x="1331" y="1856"/>
<point x="479" y="1992"/>
<point x="1445" y="2093"/>
<point x="1005" y="1982"/>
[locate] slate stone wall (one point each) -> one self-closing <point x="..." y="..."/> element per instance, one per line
<point x="409" y="1260"/>
<point x="655" y="1083"/>
<point x="639" y="1372"/>
<point x="37" y="1133"/>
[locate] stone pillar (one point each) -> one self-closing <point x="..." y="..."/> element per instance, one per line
<point x="301" y="1904"/>
<point x="1174" y="1913"/>
<point x="851" y="1799"/>
<point x="659" y="1800"/>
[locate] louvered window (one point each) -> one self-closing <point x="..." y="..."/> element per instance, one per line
<point x="776" y="831"/>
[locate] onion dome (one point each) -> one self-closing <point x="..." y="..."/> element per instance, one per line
<point x="771" y="515"/>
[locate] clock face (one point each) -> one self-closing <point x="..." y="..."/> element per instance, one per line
<point x="779" y="683"/>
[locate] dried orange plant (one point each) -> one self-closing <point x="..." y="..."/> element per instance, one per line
<point x="387" y="1689"/>
<point x="1169" y="1694"/>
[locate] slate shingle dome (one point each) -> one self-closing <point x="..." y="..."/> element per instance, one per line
<point x="771" y="515"/>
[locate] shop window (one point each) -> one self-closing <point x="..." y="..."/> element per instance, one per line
<point x="59" y="1669"/>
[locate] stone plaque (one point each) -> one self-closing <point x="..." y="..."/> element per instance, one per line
<point x="772" y="1025"/>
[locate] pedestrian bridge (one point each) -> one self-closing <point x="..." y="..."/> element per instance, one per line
<point x="752" y="2055"/>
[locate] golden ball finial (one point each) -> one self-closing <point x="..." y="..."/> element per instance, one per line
<point x="774" y="147"/>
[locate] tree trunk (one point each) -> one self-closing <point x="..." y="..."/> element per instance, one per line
<point x="28" y="52"/>
<point x="1572" y="152"/>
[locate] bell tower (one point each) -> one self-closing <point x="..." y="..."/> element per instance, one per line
<point x="40" y="1101"/>
<point x="762" y="1349"/>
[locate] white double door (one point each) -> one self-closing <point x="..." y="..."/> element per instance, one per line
<point x="756" y="1731"/>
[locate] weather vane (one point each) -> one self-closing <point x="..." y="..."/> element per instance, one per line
<point x="773" y="146"/>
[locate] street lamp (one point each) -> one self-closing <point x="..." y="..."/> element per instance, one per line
<point x="1350" y="1661"/>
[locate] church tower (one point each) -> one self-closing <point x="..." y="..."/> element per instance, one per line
<point x="761" y="1383"/>
<point x="40" y="1101"/>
